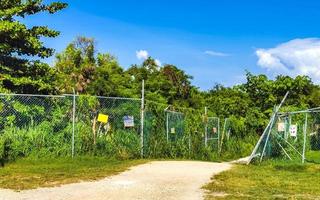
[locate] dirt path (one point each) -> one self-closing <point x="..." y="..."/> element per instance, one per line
<point x="154" y="180"/>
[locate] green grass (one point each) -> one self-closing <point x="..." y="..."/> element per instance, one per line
<point x="267" y="181"/>
<point x="313" y="157"/>
<point x="32" y="173"/>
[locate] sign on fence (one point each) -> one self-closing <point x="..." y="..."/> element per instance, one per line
<point x="293" y="130"/>
<point x="173" y="131"/>
<point x="103" y="118"/>
<point x="128" y="121"/>
<point x="281" y="127"/>
<point x="214" y="130"/>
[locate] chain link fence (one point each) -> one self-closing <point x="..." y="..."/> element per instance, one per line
<point x="107" y="126"/>
<point x="226" y="132"/>
<point x="184" y="133"/>
<point x="174" y="125"/>
<point x="43" y="125"/>
<point x="213" y="132"/>
<point x="293" y="136"/>
<point x="32" y="124"/>
<point x="72" y="125"/>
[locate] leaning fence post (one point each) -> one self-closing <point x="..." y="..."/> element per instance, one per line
<point x="253" y="154"/>
<point x="275" y="113"/>
<point x="142" y="119"/>
<point x="73" y="121"/>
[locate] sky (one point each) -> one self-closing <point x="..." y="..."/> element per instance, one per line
<point x="215" y="41"/>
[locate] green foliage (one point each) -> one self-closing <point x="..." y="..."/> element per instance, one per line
<point x="17" y="41"/>
<point x="100" y="74"/>
<point x="39" y="141"/>
<point x="42" y="141"/>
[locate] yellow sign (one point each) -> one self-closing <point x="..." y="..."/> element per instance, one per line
<point x="103" y="118"/>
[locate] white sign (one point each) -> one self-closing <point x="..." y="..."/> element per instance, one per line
<point x="128" y="121"/>
<point x="214" y="130"/>
<point x="281" y="127"/>
<point x="173" y="131"/>
<point x="293" y="130"/>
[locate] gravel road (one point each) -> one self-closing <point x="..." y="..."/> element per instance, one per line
<point x="154" y="180"/>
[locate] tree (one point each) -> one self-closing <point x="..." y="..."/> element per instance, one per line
<point x="18" y="43"/>
<point x="260" y="90"/>
<point x="75" y="66"/>
<point x="149" y="72"/>
<point x="179" y="83"/>
<point x="226" y="101"/>
<point x="79" y="67"/>
<point x="110" y="78"/>
<point x="167" y="84"/>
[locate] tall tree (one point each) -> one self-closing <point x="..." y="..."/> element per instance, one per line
<point x="76" y="65"/>
<point x="21" y="48"/>
<point x="110" y="79"/>
<point x="179" y="83"/>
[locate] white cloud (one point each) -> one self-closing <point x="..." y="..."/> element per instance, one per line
<point x="142" y="54"/>
<point x="296" y="57"/>
<point x="216" y="53"/>
<point x="158" y="62"/>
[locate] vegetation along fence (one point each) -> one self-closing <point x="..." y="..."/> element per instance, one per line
<point x="69" y="125"/>
<point x="291" y="135"/>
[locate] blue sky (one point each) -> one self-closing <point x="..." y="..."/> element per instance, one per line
<point x="214" y="41"/>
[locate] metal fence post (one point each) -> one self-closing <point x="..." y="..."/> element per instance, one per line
<point x="167" y="126"/>
<point x="142" y="119"/>
<point x="253" y="154"/>
<point x="189" y="144"/>
<point x="73" y="121"/>
<point x="206" y="126"/>
<point x="220" y="143"/>
<point x="304" y="138"/>
<point x="276" y="110"/>
<point x="219" y="135"/>
<point x="269" y="132"/>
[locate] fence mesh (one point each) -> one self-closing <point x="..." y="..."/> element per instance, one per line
<point x="291" y="136"/>
<point x="117" y="135"/>
<point x="67" y="125"/>
<point x="213" y="132"/>
<point x="174" y="125"/>
<point x="154" y="140"/>
<point x="226" y="132"/>
<point x="227" y="126"/>
<point x="43" y="125"/>
<point x="40" y="124"/>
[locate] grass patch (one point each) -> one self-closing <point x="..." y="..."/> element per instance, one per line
<point x="267" y="181"/>
<point x="32" y="173"/>
<point x="313" y="157"/>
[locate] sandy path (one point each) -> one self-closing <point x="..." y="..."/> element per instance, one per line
<point x="154" y="180"/>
